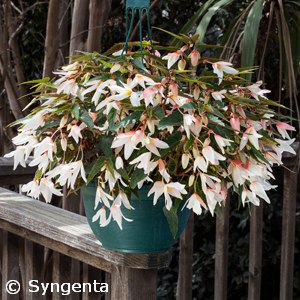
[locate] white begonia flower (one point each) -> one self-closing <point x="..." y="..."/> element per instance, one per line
<point x="141" y="80"/>
<point x="212" y="156"/>
<point x="41" y="161"/>
<point x="222" y="67"/>
<point x="102" y="197"/>
<point x="45" y="146"/>
<point x="174" y="189"/>
<point x="219" y="95"/>
<point x="195" y="203"/>
<point x="18" y="155"/>
<point x="47" y="189"/>
<point x="32" y="189"/>
<point x="35" y="121"/>
<point x="75" y="132"/>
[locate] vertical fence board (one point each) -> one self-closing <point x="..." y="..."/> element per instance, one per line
<point x="221" y="259"/>
<point x="10" y="263"/>
<point x="255" y="252"/>
<point x="184" y="287"/>
<point x="34" y="260"/>
<point x="89" y="275"/>
<point x="288" y="235"/>
<point x="133" y="284"/>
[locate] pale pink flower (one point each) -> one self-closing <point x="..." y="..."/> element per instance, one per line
<point x="219" y="95"/>
<point x="282" y="128"/>
<point x="256" y="92"/>
<point x="194" y="56"/>
<point x="251" y="135"/>
<point x="246" y="194"/>
<point x="172" y="58"/>
<point x="185" y="160"/>
<point x="101" y="216"/>
<point x="235" y="122"/>
<point x="195" y="202"/>
<point x="163" y="171"/>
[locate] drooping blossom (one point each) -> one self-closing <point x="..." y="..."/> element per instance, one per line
<point x="195" y="203"/>
<point x="222" y="67"/>
<point x="174" y="189"/>
<point x="282" y="129"/>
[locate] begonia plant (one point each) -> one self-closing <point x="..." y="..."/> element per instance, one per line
<point x="189" y="127"/>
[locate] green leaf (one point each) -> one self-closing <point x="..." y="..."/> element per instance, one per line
<point x="136" y="177"/>
<point x="85" y="117"/>
<point x="97" y="166"/>
<point x="173" y="141"/>
<point x="75" y="111"/>
<point x="105" y="145"/>
<point x="183" y="39"/>
<point x="202" y="27"/>
<point x="251" y="34"/>
<point x="189" y="105"/>
<point x="172" y="219"/>
<point x="214" y="119"/>
<point x="175" y="119"/>
<point x="132" y="118"/>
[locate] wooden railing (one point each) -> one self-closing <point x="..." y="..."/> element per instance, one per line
<point x="28" y="226"/>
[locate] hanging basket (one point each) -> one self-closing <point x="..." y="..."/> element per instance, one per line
<point x="149" y="232"/>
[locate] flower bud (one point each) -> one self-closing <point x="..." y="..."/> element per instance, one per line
<point x="185" y="160"/>
<point x="63" y="143"/>
<point x="191" y="180"/>
<point x="196" y="92"/>
<point x="181" y="64"/>
<point x="151" y="126"/>
<point x="63" y="121"/>
<point x="194" y="56"/>
<point x="115" y="68"/>
<point x="119" y="163"/>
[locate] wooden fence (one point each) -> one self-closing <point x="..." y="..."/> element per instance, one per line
<point x="46" y="243"/>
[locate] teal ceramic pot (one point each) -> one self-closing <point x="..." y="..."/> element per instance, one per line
<point x="148" y="233"/>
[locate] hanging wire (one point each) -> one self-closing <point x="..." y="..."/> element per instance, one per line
<point x="140" y="7"/>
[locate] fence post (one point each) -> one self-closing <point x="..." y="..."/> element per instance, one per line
<point x="288" y="235"/>
<point x="132" y="284"/>
<point x="184" y="287"/>
<point x="221" y="260"/>
<point x="255" y="252"/>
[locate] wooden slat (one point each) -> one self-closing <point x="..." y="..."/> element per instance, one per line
<point x="288" y="235"/>
<point x="10" y="264"/>
<point x="89" y="274"/>
<point x="184" y="287"/>
<point x="255" y="252"/>
<point x="34" y="259"/>
<point x="133" y="284"/>
<point x="67" y="233"/>
<point x="221" y="258"/>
